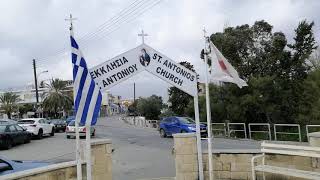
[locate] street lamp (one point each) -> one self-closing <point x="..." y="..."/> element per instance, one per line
<point x="41" y="73"/>
<point x="38" y="75"/>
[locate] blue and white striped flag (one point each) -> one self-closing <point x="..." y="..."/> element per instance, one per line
<point x="87" y="95"/>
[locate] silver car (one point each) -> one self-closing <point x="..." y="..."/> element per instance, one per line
<point x="71" y="130"/>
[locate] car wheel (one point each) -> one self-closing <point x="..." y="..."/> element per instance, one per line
<point x="40" y="134"/>
<point x="68" y="137"/>
<point x="52" y="132"/>
<point x="9" y="144"/>
<point x="163" y="133"/>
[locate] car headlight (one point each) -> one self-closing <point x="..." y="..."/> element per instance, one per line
<point x="192" y="128"/>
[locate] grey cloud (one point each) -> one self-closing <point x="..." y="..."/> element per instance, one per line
<point x="36" y="29"/>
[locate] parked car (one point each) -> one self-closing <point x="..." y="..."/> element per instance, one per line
<point x="59" y="125"/>
<point x="71" y="130"/>
<point x="172" y="125"/>
<point x="37" y="126"/>
<point x="13" y="134"/>
<point x="69" y="119"/>
<point x="9" y="166"/>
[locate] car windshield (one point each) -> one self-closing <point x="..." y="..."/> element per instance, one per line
<point x="2" y="128"/>
<point x="4" y="166"/>
<point x="186" y="120"/>
<point x="72" y="123"/>
<point x="26" y="122"/>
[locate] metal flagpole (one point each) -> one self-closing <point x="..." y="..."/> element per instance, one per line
<point x="88" y="150"/>
<point x="208" y="111"/>
<point x="78" y="158"/>
<point x="199" y="148"/>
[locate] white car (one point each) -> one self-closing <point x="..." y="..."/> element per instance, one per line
<point x="71" y="130"/>
<point x="37" y="126"/>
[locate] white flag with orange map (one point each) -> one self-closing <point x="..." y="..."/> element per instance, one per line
<point x="222" y="70"/>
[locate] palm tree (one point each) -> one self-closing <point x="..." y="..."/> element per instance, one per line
<point x="58" y="98"/>
<point x="8" y="102"/>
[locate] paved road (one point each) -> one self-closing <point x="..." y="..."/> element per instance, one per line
<point x="139" y="152"/>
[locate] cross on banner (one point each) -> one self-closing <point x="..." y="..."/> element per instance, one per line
<point x="142" y="36"/>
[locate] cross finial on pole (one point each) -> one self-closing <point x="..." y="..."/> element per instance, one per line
<point x="142" y="36"/>
<point x="207" y="40"/>
<point x="204" y="32"/>
<point x="71" y="19"/>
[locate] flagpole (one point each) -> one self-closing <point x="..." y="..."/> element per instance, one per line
<point x="88" y="150"/>
<point x="198" y="136"/>
<point x="210" y="161"/>
<point x="78" y="158"/>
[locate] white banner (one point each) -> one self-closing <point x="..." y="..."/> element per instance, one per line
<point x="118" y="69"/>
<point x="143" y="57"/>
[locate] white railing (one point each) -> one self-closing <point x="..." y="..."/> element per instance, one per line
<point x="230" y="129"/>
<point x="259" y="131"/>
<point x="214" y="128"/>
<point x="308" y="129"/>
<point x="286" y="133"/>
<point x="223" y="129"/>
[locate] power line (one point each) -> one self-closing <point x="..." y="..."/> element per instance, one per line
<point x="102" y="25"/>
<point x="132" y="8"/>
<point x="119" y="19"/>
<point x="126" y="21"/>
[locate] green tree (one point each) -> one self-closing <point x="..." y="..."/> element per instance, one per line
<point x="275" y="71"/>
<point x="58" y="98"/>
<point x="150" y="107"/>
<point x="23" y="109"/>
<point x="8" y="102"/>
<point x="310" y="106"/>
<point x="178" y="100"/>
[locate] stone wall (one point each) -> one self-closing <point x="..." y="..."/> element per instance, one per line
<point x="229" y="166"/>
<point x="101" y="166"/>
<point x="186" y="159"/>
<point x="232" y="166"/>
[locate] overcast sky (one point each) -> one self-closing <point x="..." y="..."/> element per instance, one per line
<point x="37" y="29"/>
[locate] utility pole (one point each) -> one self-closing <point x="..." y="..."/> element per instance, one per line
<point x="35" y="80"/>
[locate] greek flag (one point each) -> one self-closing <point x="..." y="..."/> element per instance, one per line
<point x="87" y="95"/>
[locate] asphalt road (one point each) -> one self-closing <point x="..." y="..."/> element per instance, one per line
<point x="138" y="152"/>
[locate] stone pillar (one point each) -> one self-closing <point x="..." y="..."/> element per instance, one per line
<point x="101" y="150"/>
<point x="186" y="159"/>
